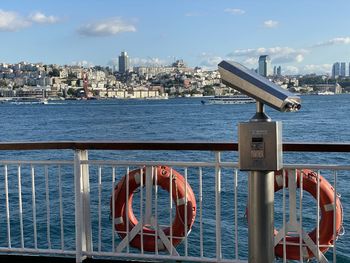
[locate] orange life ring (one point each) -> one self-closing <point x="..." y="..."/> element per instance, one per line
<point x="179" y="186"/>
<point x="326" y="237"/>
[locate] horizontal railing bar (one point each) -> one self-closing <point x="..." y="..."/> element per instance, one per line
<point x="317" y="166"/>
<point x="168" y="163"/>
<point x="159" y="163"/>
<point x="209" y="164"/>
<point x="161" y="257"/>
<point x="166" y="145"/>
<point x="37" y="251"/>
<point x="20" y="162"/>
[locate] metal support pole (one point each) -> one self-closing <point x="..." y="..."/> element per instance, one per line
<point x="261" y="207"/>
<point x="260" y="217"/>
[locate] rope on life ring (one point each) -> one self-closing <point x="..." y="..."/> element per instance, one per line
<point x="326" y="202"/>
<point x="179" y="189"/>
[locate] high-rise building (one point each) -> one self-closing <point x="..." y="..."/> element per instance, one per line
<point x="123" y="62"/>
<point x="342" y="69"/>
<point x="264" y="65"/>
<point x="336" y="70"/>
<point x="279" y="71"/>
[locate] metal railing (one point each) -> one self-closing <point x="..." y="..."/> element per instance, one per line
<point x="68" y="207"/>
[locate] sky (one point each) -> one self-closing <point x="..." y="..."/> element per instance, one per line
<point x="301" y="36"/>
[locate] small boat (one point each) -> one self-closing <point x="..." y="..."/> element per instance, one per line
<point x="25" y="100"/>
<point x="325" y="93"/>
<point x="234" y="99"/>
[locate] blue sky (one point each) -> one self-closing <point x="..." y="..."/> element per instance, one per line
<point x="301" y="36"/>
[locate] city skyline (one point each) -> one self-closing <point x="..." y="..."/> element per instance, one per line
<point x="302" y="37"/>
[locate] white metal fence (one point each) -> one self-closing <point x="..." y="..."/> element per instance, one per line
<point x="69" y="208"/>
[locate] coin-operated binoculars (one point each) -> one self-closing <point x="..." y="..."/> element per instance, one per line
<point x="260" y="152"/>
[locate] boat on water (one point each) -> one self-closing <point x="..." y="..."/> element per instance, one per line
<point x="234" y="99"/>
<point x="325" y="93"/>
<point x="25" y="100"/>
<point x="157" y="98"/>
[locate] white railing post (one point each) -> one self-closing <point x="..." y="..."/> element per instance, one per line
<point x="218" y="205"/>
<point x="82" y="205"/>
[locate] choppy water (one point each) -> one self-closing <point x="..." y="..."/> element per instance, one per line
<point x="321" y="119"/>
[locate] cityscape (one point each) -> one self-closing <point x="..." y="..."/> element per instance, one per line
<point x="52" y="81"/>
<point x="175" y="131"/>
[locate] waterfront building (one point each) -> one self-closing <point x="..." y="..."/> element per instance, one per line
<point x="342" y="69"/>
<point x="123" y="62"/>
<point x="336" y="70"/>
<point x="7" y="92"/>
<point x="264" y="65"/>
<point x="324" y="88"/>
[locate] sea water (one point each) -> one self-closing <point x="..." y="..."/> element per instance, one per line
<point x="321" y="119"/>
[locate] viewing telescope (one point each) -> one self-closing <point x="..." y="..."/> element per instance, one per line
<point x="258" y="87"/>
<point x="260" y="153"/>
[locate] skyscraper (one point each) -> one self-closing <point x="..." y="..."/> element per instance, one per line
<point x="279" y="71"/>
<point x="336" y="70"/>
<point x="342" y="69"/>
<point x="264" y="65"/>
<point x="123" y="62"/>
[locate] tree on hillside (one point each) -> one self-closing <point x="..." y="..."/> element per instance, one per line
<point x="54" y="73"/>
<point x="208" y="90"/>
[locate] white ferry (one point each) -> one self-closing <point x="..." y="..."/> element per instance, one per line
<point x="234" y="99"/>
<point x="325" y="93"/>
<point x="25" y="100"/>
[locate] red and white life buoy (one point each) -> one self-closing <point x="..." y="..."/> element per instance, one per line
<point x="326" y="234"/>
<point x="179" y="189"/>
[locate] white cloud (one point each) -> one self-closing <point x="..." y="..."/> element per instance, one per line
<point x="108" y="27"/>
<point x="146" y="62"/>
<point x="270" y="23"/>
<point x="277" y="54"/>
<point x="299" y="58"/>
<point x="113" y="62"/>
<point x="234" y="11"/>
<point x="41" y="18"/>
<point x="83" y="63"/>
<point x="12" y="21"/>
<point x="290" y="70"/>
<point x="318" y="69"/>
<point x="149" y="62"/>
<point x="334" y="41"/>
<point x="251" y="62"/>
<point x="209" y="61"/>
<point x="287" y="58"/>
